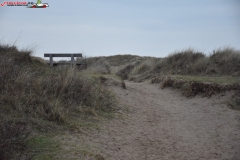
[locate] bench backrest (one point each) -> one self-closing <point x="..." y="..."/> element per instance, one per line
<point x="63" y="55"/>
<point x="72" y="55"/>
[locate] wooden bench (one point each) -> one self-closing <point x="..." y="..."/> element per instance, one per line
<point x="72" y="55"/>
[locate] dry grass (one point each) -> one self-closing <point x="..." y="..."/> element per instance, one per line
<point x="47" y="93"/>
<point x="189" y="70"/>
<point x="221" y="62"/>
<point x="124" y="72"/>
<point x="118" y="60"/>
<point x="14" y="137"/>
<point x="191" y="85"/>
<point x="209" y="79"/>
<point x="144" y="67"/>
<point x="55" y="95"/>
<point x="95" y="65"/>
<point x="226" y="60"/>
<point x="30" y="89"/>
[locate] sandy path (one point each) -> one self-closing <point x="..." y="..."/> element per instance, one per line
<point x="163" y="124"/>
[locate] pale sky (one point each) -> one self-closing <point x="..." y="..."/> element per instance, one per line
<point x="109" y="27"/>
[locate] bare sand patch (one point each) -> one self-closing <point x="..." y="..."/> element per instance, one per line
<point x="163" y="124"/>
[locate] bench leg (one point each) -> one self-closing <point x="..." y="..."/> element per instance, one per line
<point x="51" y="61"/>
<point x="72" y="60"/>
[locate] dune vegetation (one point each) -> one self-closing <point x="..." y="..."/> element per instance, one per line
<point x="35" y="98"/>
<point x="191" y="70"/>
<point x="220" y="62"/>
<point x="37" y="101"/>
